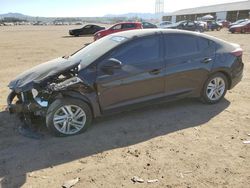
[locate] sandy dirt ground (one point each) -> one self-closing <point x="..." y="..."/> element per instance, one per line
<point x="182" y="144"/>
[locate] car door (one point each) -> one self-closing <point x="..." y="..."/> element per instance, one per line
<point x="87" y="29"/>
<point x="91" y="29"/>
<point x="140" y="77"/>
<point x="190" y="26"/>
<point x="95" y="29"/>
<point x="188" y="61"/>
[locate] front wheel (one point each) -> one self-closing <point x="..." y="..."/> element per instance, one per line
<point x="214" y="88"/>
<point x="68" y="116"/>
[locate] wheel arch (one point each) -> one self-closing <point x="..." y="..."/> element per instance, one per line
<point x="88" y="98"/>
<point x="226" y="73"/>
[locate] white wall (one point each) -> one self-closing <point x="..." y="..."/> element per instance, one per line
<point x="221" y="15"/>
<point x="173" y="19"/>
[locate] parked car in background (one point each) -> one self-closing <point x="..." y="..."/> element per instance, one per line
<point x="124" y="26"/>
<point x="243" y="27"/>
<point x="238" y="22"/>
<point x="147" y="25"/>
<point x="224" y="23"/>
<point x="213" y="25"/>
<point x="86" y="30"/>
<point x="123" y="71"/>
<point x="164" y="24"/>
<point x="202" y="24"/>
<point x="186" y="25"/>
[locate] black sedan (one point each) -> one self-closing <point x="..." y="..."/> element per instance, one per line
<point x="147" y="25"/>
<point x="124" y="70"/>
<point x="186" y="25"/>
<point x="86" y="30"/>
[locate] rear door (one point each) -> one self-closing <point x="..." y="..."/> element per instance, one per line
<point x="140" y="78"/>
<point x="188" y="61"/>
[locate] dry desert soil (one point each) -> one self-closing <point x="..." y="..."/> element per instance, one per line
<point x="182" y="144"/>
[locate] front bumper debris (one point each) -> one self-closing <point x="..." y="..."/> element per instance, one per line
<point x="29" y="106"/>
<point x="26" y="111"/>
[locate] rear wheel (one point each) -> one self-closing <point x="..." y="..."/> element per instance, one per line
<point x="214" y="88"/>
<point x="68" y="116"/>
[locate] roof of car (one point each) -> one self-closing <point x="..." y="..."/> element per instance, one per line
<point x="127" y="23"/>
<point x="147" y="32"/>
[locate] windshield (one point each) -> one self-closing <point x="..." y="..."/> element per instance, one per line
<point x="93" y="51"/>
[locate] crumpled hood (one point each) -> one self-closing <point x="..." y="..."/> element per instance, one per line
<point x="26" y="80"/>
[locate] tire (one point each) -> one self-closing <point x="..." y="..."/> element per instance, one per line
<point x="68" y="116"/>
<point x="214" y="88"/>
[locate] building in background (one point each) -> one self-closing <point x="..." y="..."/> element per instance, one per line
<point x="227" y="11"/>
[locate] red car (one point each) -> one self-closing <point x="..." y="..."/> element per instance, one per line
<point x="243" y="27"/>
<point x="124" y="26"/>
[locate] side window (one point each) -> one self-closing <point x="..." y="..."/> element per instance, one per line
<point x="180" y="45"/>
<point x="128" y="26"/>
<point x="88" y="26"/>
<point x="206" y="46"/>
<point x="117" y="27"/>
<point x="140" y="51"/>
<point x="190" y="24"/>
<point x="203" y="44"/>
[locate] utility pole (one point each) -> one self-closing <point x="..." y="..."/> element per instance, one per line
<point x="159" y="7"/>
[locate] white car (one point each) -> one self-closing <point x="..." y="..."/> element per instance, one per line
<point x="164" y="24"/>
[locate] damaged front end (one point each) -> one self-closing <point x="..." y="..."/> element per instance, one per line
<point x="33" y="91"/>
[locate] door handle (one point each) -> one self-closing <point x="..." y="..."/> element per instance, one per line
<point x="206" y="60"/>
<point x="155" y="71"/>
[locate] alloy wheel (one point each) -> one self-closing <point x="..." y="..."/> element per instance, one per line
<point x="69" y="119"/>
<point x="215" y="88"/>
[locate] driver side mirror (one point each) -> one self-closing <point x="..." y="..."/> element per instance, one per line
<point x="111" y="65"/>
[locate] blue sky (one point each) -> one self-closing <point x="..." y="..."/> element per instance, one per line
<point x="78" y="8"/>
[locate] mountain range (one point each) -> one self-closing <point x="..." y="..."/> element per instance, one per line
<point x="14" y="15"/>
<point x="145" y="16"/>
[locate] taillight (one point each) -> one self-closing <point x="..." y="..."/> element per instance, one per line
<point x="238" y="52"/>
